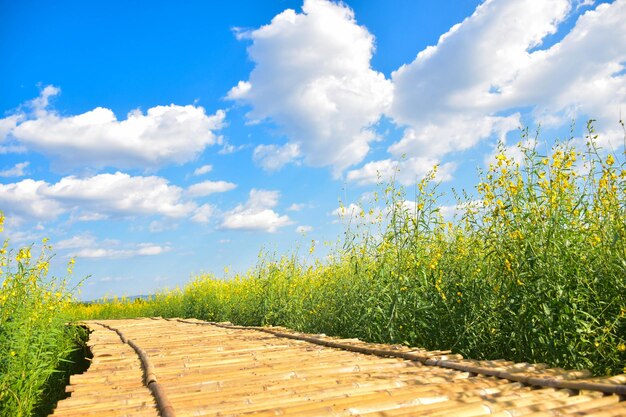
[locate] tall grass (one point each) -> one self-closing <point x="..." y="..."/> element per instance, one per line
<point x="34" y="338"/>
<point x="532" y="269"/>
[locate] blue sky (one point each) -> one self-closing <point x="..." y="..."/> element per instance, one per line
<point x="155" y="141"/>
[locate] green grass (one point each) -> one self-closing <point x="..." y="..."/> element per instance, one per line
<point x="533" y="269"/>
<point x="75" y="363"/>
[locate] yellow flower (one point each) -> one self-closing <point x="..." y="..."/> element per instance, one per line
<point x="23" y="254"/>
<point x="507" y="264"/>
<point x="621" y="347"/>
<point x="610" y="160"/>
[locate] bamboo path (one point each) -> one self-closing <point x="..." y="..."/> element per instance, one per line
<point x="174" y="367"/>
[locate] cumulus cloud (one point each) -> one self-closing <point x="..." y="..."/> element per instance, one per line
<point x="205" y="188"/>
<point x="583" y="75"/>
<point x="470" y="85"/>
<point x="18" y="170"/>
<point x="160" y="136"/>
<point x="8" y="124"/>
<point x="121" y="194"/>
<point x="434" y="138"/>
<point x="446" y="95"/>
<point x="257" y="213"/>
<point x="274" y="157"/>
<point x="203" y="213"/>
<point x="40" y="104"/>
<point x="29" y="199"/>
<point x="407" y="171"/>
<point x="204" y="169"/>
<point x="94" y="198"/>
<point x="312" y="77"/>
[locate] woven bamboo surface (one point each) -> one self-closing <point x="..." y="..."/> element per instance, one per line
<point x="152" y="367"/>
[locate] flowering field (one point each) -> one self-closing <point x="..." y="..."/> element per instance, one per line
<point x="533" y="269"/>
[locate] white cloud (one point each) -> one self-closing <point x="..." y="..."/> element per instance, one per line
<point x="584" y="3"/>
<point x="148" y="249"/>
<point x="95" y="198"/>
<point x="228" y="148"/>
<point x="74" y="242"/>
<point x="12" y="149"/>
<point x="121" y="194"/>
<point x="20" y="238"/>
<point x="241" y="89"/>
<point x="91" y="217"/>
<point x="203" y="213"/>
<point x="312" y="77"/>
<point x="471" y="84"/>
<point x="446" y="95"/>
<point x="40" y="104"/>
<point x="407" y="171"/>
<point x="18" y="170"/>
<point x="256" y="213"/>
<point x="439" y="136"/>
<point x="583" y="75"/>
<point x="28" y="199"/>
<point x="144" y="249"/>
<point x="160" y="136"/>
<point x="8" y="124"/>
<point x="204" y="169"/>
<point x="157" y="226"/>
<point x="274" y="157"/>
<point x="205" y="188"/>
<point x="296" y="207"/>
<point x="87" y="246"/>
<point x="304" y="229"/>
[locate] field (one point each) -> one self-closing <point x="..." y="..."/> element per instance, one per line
<point x="532" y="269"/>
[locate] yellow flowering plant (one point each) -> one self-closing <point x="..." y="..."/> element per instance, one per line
<point x="34" y="337"/>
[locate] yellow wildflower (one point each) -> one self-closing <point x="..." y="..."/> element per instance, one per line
<point x="610" y="160"/>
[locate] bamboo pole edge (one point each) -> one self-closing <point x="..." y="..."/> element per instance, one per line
<point x="164" y="406"/>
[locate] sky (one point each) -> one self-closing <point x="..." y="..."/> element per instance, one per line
<point x="154" y="141"/>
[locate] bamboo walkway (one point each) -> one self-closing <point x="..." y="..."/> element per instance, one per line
<point x="174" y="367"/>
